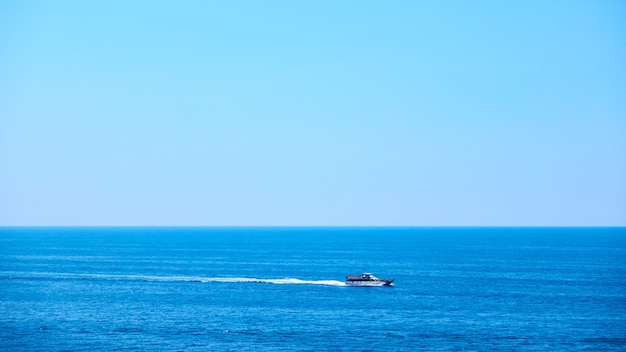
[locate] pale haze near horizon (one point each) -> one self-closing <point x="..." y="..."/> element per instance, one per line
<point x="318" y="113"/>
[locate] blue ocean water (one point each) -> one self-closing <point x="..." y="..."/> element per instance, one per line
<point x="272" y="289"/>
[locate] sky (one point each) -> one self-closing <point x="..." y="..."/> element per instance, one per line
<point x="312" y="113"/>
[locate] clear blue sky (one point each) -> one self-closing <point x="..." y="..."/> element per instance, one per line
<point x="425" y="113"/>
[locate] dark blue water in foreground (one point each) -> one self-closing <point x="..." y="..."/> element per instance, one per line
<point x="255" y="289"/>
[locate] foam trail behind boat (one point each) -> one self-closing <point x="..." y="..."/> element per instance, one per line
<point x="152" y="278"/>
<point x="285" y="281"/>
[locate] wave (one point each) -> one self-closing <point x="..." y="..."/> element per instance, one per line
<point x="152" y="278"/>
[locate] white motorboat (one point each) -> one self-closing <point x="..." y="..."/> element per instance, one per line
<point x="368" y="280"/>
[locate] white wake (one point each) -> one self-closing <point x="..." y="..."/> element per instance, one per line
<point x="154" y="278"/>
<point x="285" y="281"/>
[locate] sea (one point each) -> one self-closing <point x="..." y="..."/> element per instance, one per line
<point x="282" y="289"/>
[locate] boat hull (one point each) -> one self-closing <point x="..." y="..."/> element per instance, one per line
<point x="364" y="283"/>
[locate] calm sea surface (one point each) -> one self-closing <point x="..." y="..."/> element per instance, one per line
<point x="269" y="289"/>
